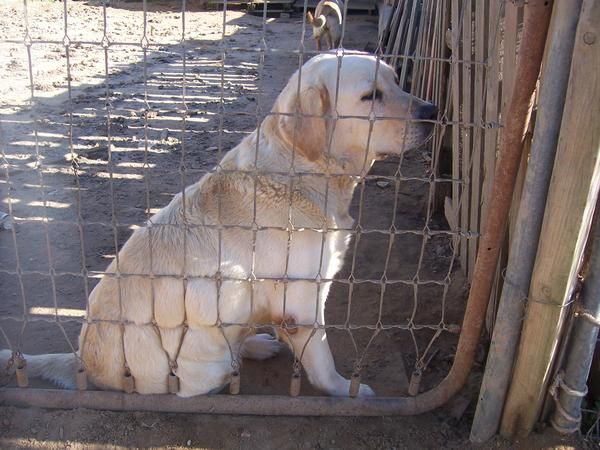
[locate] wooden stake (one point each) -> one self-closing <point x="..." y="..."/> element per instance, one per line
<point x="295" y="385"/>
<point x="234" y="384"/>
<point x="21" y="372"/>
<point x="478" y="100"/>
<point x="456" y="129"/>
<point x="467" y="259"/>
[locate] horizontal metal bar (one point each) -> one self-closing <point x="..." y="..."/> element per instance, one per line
<point x="269" y="405"/>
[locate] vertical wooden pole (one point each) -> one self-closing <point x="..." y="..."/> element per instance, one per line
<point x="491" y="104"/>
<point x="479" y="38"/>
<point x="509" y="57"/>
<point x="419" y="64"/>
<point x="490" y="143"/>
<point x="396" y="34"/>
<point x="571" y="199"/>
<point x="408" y="45"/>
<point x="467" y="260"/>
<point x="453" y="213"/>
<point x="434" y="52"/>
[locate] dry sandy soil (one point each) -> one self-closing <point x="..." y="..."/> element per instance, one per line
<point x="84" y="429"/>
<point x="65" y="195"/>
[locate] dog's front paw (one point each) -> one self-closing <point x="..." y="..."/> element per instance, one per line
<point x="365" y="391"/>
<point x="260" y="347"/>
<point x="342" y="389"/>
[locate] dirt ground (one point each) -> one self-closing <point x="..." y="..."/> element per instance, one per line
<point x="67" y="199"/>
<point x="84" y="429"/>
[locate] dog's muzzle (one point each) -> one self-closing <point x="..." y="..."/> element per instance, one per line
<point x="427" y="113"/>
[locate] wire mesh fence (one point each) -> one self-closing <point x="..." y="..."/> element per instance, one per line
<point x="121" y="118"/>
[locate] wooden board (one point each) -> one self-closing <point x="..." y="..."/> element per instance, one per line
<point x="410" y="36"/>
<point x="456" y="87"/>
<point x="509" y="53"/>
<point x="467" y="260"/>
<point x="480" y="39"/>
<point x="400" y="27"/>
<point x="492" y="117"/>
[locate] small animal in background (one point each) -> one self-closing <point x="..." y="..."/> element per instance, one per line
<point x="327" y="23"/>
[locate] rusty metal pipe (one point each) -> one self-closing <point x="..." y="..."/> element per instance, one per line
<point x="214" y="404"/>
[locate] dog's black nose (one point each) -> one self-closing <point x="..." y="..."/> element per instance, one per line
<point x="426" y="112"/>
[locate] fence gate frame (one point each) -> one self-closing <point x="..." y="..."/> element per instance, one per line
<point x="463" y="42"/>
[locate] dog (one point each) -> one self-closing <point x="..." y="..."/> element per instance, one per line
<point x="252" y="242"/>
<point x="327" y="23"/>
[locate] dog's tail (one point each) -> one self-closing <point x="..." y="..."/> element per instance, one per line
<point x="59" y="368"/>
<point x="319" y="22"/>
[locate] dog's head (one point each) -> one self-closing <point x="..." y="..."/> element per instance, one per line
<point x="351" y="109"/>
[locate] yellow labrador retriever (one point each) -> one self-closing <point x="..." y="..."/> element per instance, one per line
<point x="216" y="255"/>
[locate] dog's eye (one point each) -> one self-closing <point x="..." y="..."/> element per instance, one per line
<point x="372" y="95"/>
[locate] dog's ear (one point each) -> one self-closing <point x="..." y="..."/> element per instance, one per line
<point x="306" y="130"/>
<point x="309" y="17"/>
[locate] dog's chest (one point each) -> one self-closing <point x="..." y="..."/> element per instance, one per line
<point x="303" y="253"/>
<point x="337" y="249"/>
<point x="318" y="254"/>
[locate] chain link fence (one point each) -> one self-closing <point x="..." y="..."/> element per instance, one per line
<point x="122" y="118"/>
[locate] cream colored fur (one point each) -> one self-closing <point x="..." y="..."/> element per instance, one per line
<point x="327" y="23"/>
<point x="183" y="239"/>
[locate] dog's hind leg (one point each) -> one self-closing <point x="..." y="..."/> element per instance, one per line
<point x="60" y="368"/>
<point x="337" y="40"/>
<point x="260" y="347"/>
<point x="329" y="40"/>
